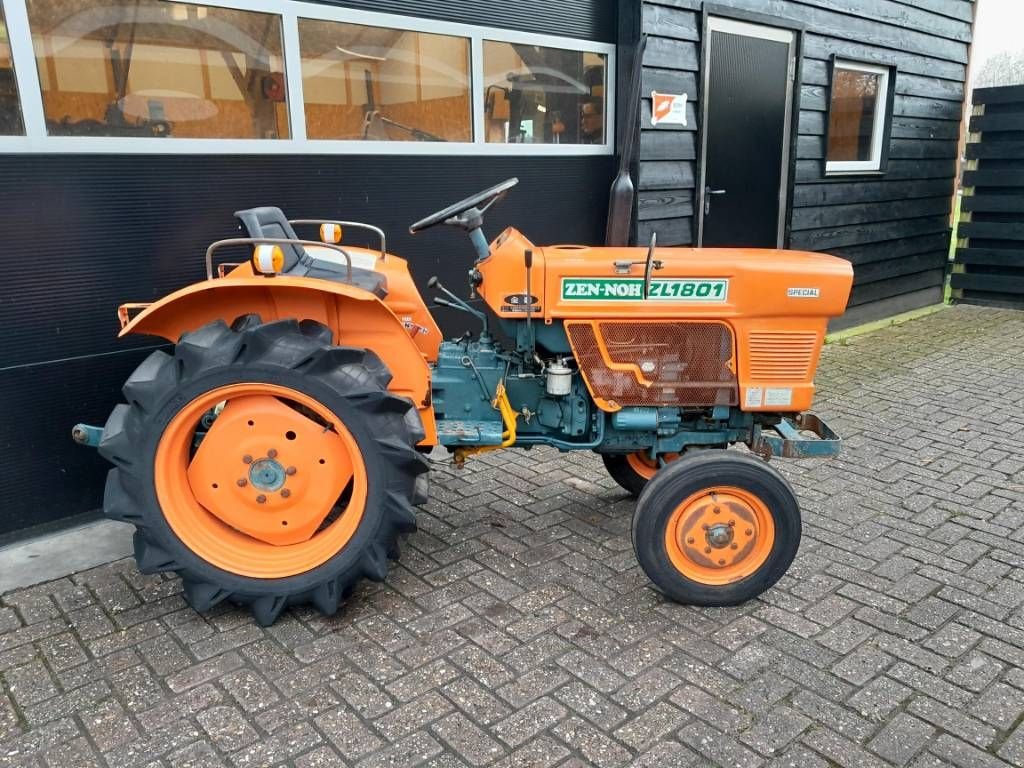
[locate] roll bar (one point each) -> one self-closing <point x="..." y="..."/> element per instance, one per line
<point x="353" y="224"/>
<point x="272" y="241"/>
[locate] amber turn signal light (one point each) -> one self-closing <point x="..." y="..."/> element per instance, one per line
<point x="268" y="259"/>
<point x="330" y="233"/>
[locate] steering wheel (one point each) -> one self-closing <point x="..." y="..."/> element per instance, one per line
<point x="451" y="215"/>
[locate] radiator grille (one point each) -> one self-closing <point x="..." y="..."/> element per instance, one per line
<point x="782" y="355"/>
<point x="656" y="363"/>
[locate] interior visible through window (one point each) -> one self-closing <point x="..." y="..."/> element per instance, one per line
<point x="10" y="108"/>
<point x="379" y="84"/>
<point x="540" y="95"/>
<point x="857" y="114"/>
<point x="150" y="68"/>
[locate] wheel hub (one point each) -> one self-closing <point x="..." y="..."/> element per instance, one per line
<point x="268" y="471"/>
<point x="719" y="535"/>
<point x="267" y="474"/>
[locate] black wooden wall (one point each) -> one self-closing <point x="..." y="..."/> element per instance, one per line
<point x="894" y="228"/>
<point x="989" y="265"/>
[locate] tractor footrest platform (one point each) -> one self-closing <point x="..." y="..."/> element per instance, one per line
<point x="804" y="437"/>
<point x="457" y="432"/>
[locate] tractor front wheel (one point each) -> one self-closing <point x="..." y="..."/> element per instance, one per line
<point x="264" y="465"/>
<point x="716" y="528"/>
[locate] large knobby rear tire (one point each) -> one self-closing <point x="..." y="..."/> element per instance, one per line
<point x="288" y="373"/>
<point x="716" y="528"/>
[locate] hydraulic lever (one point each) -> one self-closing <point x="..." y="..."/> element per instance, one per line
<point x="454" y="302"/>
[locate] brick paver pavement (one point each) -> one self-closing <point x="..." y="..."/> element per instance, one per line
<point x="518" y="630"/>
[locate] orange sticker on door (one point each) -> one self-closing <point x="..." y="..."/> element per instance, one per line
<point x="668" y="108"/>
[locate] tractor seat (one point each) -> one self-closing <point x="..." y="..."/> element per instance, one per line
<point x="298" y="262"/>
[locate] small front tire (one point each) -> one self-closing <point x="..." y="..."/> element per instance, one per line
<point x="716" y="529"/>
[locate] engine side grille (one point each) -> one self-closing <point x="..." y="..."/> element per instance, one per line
<point x="656" y="363"/>
<point x="782" y="355"/>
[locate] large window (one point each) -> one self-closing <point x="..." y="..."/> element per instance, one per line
<point x="291" y="76"/>
<point x="152" y="68"/>
<point x="858" y="110"/>
<point x="379" y="84"/>
<point x="10" y="108"/>
<point x="541" y="95"/>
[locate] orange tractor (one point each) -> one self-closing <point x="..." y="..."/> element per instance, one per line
<point x="276" y="453"/>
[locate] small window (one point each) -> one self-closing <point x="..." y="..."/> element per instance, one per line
<point x="539" y="95"/>
<point x="858" y="114"/>
<point x="10" y="107"/>
<point x="380" y="84"/>
<point x="159" y="69"/>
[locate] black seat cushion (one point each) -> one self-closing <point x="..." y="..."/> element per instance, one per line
<point x="272" y="223"/>
<point x="322" y="269"/>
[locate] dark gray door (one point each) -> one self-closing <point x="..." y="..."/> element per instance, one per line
<point x="748" y="93"/>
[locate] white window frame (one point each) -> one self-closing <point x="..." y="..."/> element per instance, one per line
<point x="36" y="139"/>
<point x="874" y="164"/>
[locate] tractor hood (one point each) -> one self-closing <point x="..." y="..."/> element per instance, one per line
<point x="582" y="282"/>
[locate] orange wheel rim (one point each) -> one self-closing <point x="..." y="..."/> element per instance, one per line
<point x="720" y="535"/>
<point x="259" y="496"/>
<point x="642" y="463"/>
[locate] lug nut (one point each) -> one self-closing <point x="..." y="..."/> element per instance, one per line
<point x="732" y="523"/>
<point x="285" y="493"/>
<point x="721" y="562"/>
<point x="247" y="459"/>
<point x="706" y="527"/>
<point x="272" y="453"/>
<point x="750" y="532"/>
<point x="707" y="550"/>
<point x="242" y="482"/>
<point x="718" y="510"/>
<point x="261" y="499"/>
<point x="734" y="546"/>
<point x="690" y="540"/>
<point x="291" y="471"/>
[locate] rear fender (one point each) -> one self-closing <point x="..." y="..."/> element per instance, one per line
<point x="356" y="317"/>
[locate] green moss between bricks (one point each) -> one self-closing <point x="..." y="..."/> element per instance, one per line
<point x="839" y="337"/>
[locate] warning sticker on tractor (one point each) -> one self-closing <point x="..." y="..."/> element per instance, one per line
<point x="632" y="289"/>
<point x="778" y="396"/>
<point x="754" y="397"/>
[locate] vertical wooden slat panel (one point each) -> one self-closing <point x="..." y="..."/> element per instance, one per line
<point x="989" y="265"/>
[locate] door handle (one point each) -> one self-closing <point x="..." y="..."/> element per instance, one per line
<point x="708" y="192"/>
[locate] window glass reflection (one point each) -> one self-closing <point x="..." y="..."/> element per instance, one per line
<point x="151" y="68"/>
<point x="539" y="95"/>
<point x="379" y="84"/>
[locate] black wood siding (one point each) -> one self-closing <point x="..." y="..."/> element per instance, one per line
<point x="894" y="228"/>
<point x="990" y="260"/>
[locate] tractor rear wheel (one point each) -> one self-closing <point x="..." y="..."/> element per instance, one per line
<point x="716" y="528"/>
<point x="632" y="471"/>
<point x="264" y="465"/>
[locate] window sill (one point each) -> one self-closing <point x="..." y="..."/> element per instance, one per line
<point x="846" y="174"/>
<point x="182" y="146"/>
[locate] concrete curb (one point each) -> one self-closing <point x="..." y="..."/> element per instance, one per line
<point x="60" y="554"/>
